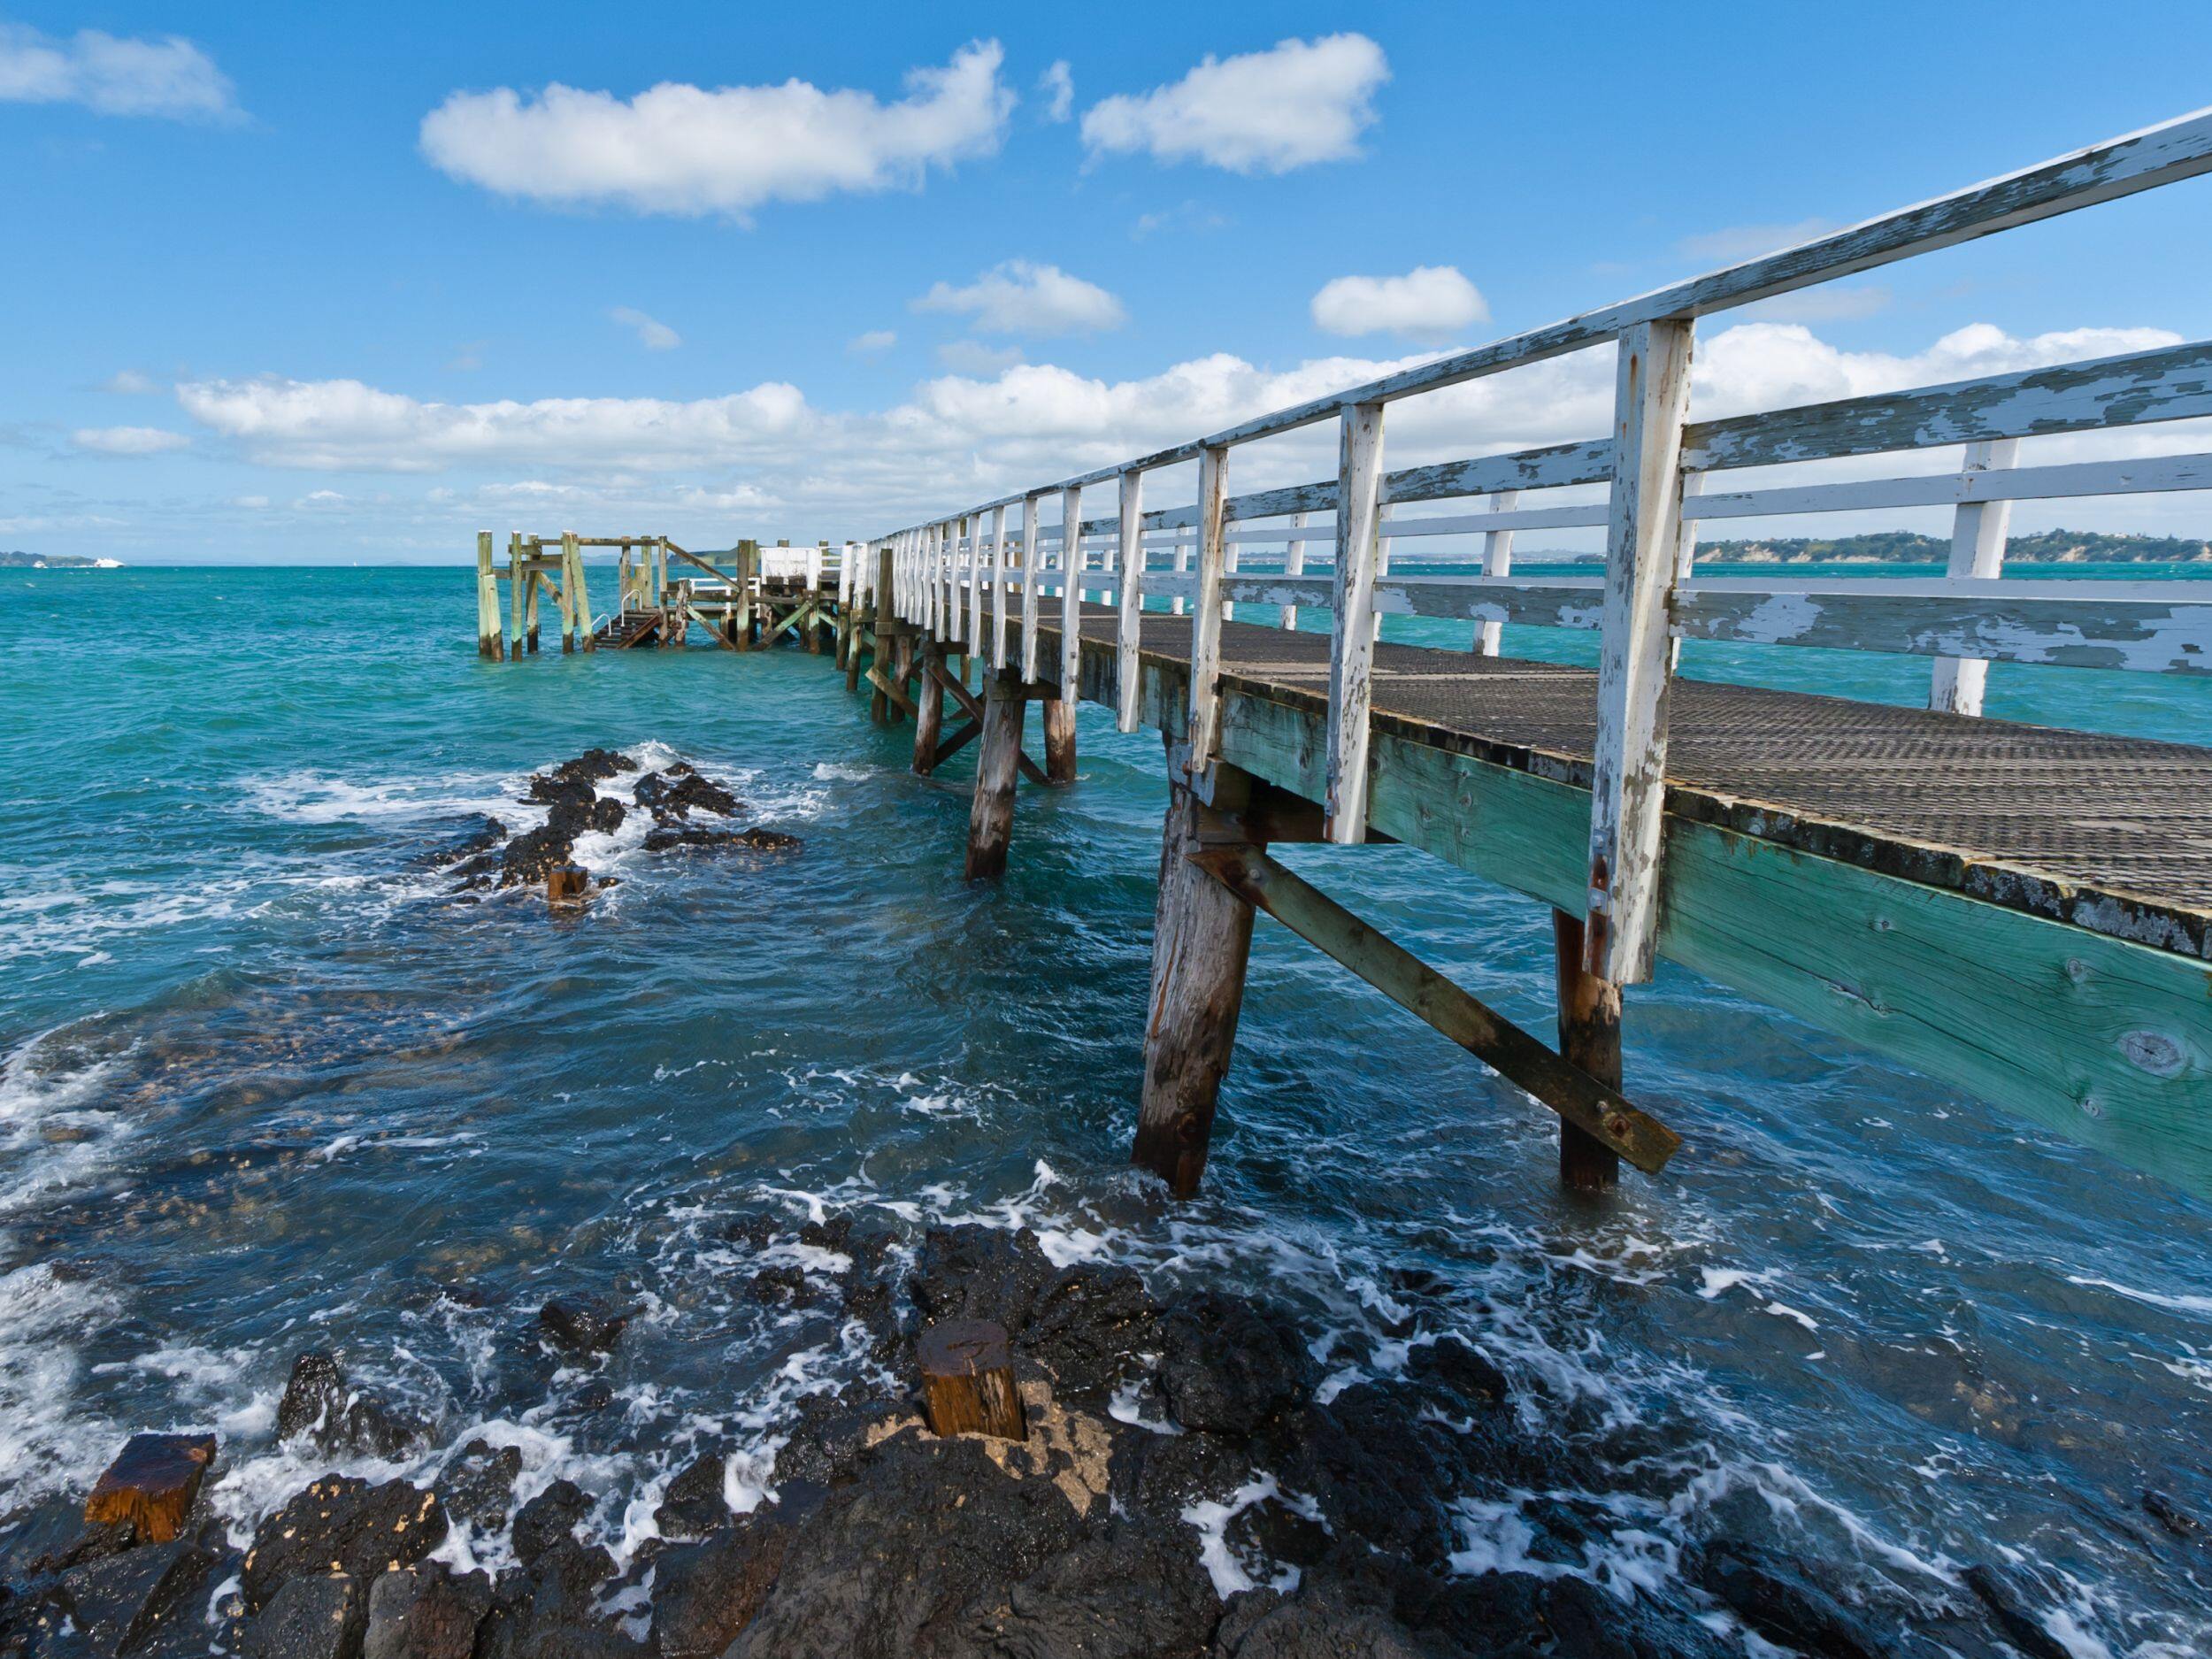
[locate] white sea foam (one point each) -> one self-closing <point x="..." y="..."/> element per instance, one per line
<point x="315" y="797"/>
<point x="2150" y="1298"/>
<point x="50" y="1440"/>
<point x="57" y="1128"/>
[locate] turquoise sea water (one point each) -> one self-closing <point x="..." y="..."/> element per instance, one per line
<point x="266" y="1085"/>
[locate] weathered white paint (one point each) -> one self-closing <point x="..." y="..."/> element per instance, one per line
<point x="1205" y="647"/>
<point x="1294" y="561"/>
<point x="1070" y="586"/>
<point x="1977" y="551"/>
<point x="1497" y="563"/>
<point x="998" y="589"/>
<point x="1129" y="604"/>
<point x="1628" y="789"/>
<point x="1032" y="581"/>
<point x="1352" y="631"/>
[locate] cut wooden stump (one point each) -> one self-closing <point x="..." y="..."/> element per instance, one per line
<point x="968" y="1384"/>
<point x="565" y="885"/>
<point x="1590" y="1038"/>
<point x="151" y="1484"/>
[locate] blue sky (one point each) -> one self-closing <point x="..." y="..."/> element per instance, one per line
<point x="305" y="285"/>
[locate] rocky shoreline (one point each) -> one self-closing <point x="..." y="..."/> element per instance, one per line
<point x="1189" y="1489"/>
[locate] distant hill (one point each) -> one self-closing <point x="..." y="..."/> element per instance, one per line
<point x="1904" y="547"/>
<point x="54" y="562"/>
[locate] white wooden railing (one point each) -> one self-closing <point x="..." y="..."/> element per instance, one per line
<point x="1663" y="476"/>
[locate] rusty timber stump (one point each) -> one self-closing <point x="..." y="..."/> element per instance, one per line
<point x="151" y="1484"/>
<point x="566" y="886"/>
<point x="968" y="1384"/>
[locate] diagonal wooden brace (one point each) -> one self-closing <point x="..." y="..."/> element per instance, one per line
<point x="1521" y="1059"/>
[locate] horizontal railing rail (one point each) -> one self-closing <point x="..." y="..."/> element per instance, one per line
<point x="1660" y="476"/>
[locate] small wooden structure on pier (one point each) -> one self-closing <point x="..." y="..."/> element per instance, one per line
<point x="750" y="598"/>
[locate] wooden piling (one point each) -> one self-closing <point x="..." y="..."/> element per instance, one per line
<point x="1589" y="1037"/>
<point x="968" y="1384"/>
<point x="1059" y="719"/>
<point x="487" y="638"/>
<point x="929" y="714"/>
<point x="1201" y="940"/>
<point x="997" y="768"/>
<point x="748" y="567"/>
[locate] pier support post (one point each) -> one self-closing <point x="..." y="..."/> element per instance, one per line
<point x="997" y="767"/>
<point x="535" y="551"/>
<point x="1059" y="714"/>
<point x="929" y="710"/>
<point x="1201" y="940"/>
<point x="747" y="565"/>
<point x="488" y="643"/>
<point x="1590" y="1038"/>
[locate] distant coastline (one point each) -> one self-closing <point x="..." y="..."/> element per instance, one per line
<point x="19" y="561"/>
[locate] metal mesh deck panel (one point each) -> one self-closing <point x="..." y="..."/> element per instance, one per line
<point x="2126" y="816"/>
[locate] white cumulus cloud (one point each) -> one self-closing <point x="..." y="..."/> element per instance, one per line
<point x="1431" y="302"/>
<point x="1018" y="298"/>
<point x="1298" y="102"/>
<point x="114" y="75"/>
<point x="652" y="334"/>
<point x="128" y="439"/>
<point x="1058" y="83"/>
<point x="693" y="150"/>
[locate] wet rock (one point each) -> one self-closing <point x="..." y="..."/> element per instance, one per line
<point x="2170" y="1515"/>
<point x="2007" y="1610"/>
<point x="549" y="1519"/>
<point x="121" y="1602"/>
<point x="1227" y="1367"/>
<point x="783" y="1284"/>
<point x="151" y="1484"/>
<point x="1464" y="1370"/>
<point x="892" y="1564"/>
<point x="1378" y="1470"/>
<point x="478" y="1486"/>
<point x="339" y="1524"/>
<point x="1323" y="1621"/>
<point x="1126" y="1595"/>
<point x="582" y="1326"/>
<point x="318" y="1616"/>
<point x="1087" y="1328"/>
<point x="52" y="1537"/>
<point x="1771" y="1595"/>
<point x="704" y="1593"/>
<point x="595" y="765"/>
<point x="425" y="1612"/>
<point x="485" y="833"/>
<point x="975" y="1272"/>
<point x="336" y="1417"/>
<point x="755" y="840"/>
<point x="694" y="1505"/>
<point x="829" y="1437"/>
<point x="673" y="795"/>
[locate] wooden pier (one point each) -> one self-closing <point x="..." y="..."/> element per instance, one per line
<point x="2021" y="912"/>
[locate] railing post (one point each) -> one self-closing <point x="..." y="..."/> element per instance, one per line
<point x="1628" y="784"/>
<point x="1382" y="557"/>
<point x="1070" y="594"/>
<point x="1129" y="599"/>
<point x="1294" y="565"/>
<point x="948" y="556"/>
<point x="1497" y="560"/>
<point x="1031" y="568"/>
<point x="588" y="641"/>
<point x="1978" y="530"/>
<point x="975" y="589"/>
<point x="1352" y="624"/>
<point x="1205" y="628"/>
<point x="998" y="589"/>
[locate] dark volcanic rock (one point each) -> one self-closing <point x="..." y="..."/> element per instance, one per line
<point x="1466" y="1372"/>
<point x="123" y="1602"/>
<point x="317" y="1617"/>
<point x="694" y="1505"/>
<point x="672" y="795"/>
<point x="704" y="1593"/>
<point x="53" y="1537"/>
<point x="424" y="1612"/>
<point x="594" y="765"/>
<point x="549" y="1519"/>
<point x="755" y="840"/>
<point x="1379" y="1471"/>
<point x="341" y="1524"/>
<point x="583" y="1326"/>
<point x="903" y="1563"/>
<point x="976" y="1272"/>
<point x="336" y="1417"/>
<point x="1087" y="1328"/>
<point x="828" y="1440"/>
<point x="1772" y="1596"/>
<point x="2008" y="1609"/>
<point x="486" y="833"/>
<point x="478" y="1485"/>
<point x="1227" y="1367"/>
<point x="2170" y="1515"/>
<point x="1126" y="1595"/>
